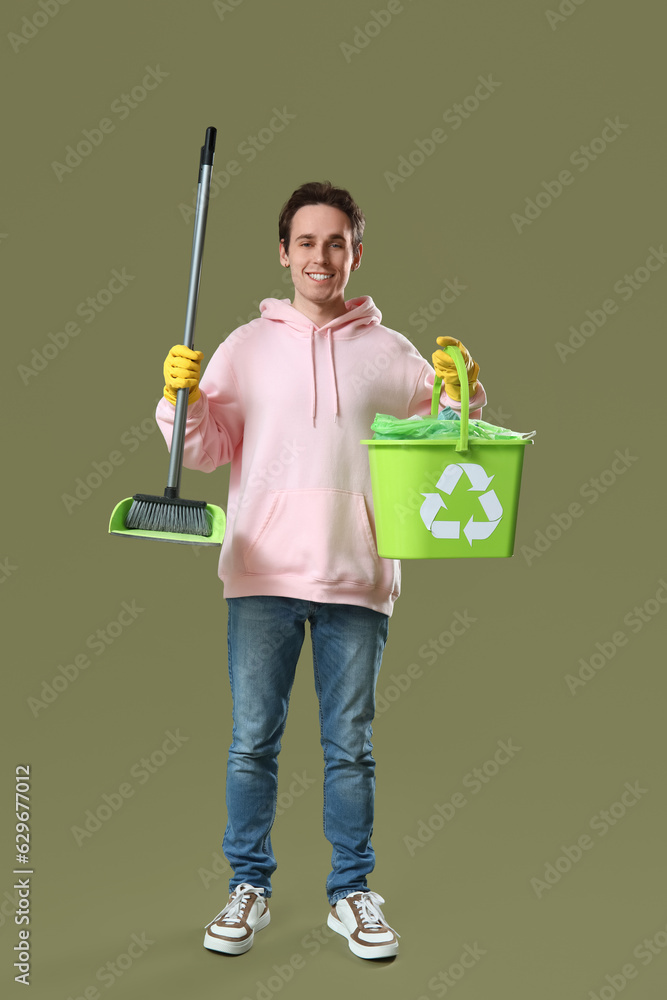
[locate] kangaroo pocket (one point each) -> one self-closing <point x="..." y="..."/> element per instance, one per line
<point x="322" y="535"/>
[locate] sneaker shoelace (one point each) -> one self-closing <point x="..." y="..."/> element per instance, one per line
<point x="233" y="912"/>
<point x="370" y="913"/>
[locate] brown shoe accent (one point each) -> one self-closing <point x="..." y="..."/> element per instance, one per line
<point x="233" y="930"/>
<point x="359" y="918"/>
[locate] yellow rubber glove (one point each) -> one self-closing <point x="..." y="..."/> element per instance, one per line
<point x="445" y="368"/>
<point x="181" y="371"/>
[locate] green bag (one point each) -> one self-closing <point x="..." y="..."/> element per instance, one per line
<point x="386" y="427"/>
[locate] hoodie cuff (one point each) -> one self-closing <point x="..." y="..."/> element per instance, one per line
<point x="166" y="411"/>
<point x="475" y="404"/>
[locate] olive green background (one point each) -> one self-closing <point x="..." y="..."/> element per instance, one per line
<point x="154" y="867"/>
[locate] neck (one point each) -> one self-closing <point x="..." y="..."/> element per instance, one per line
<point x="319" y="315"/>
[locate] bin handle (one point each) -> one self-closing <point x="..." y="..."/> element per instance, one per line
<point x="462" y="372"/>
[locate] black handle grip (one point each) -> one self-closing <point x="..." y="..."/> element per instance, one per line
<point x="208" y="149"/>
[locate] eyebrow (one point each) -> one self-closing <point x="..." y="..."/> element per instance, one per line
<point x="311" y="236"/>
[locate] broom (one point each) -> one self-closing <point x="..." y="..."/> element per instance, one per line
<point x="169" y="513"/>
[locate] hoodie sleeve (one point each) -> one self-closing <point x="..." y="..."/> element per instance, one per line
<point x="421" y="400"/>
<point x="214" y="428"/>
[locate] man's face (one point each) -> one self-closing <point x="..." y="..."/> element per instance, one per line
<point x="320" y="256"/>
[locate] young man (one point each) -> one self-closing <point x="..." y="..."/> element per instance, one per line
<point x="286" y="399"/>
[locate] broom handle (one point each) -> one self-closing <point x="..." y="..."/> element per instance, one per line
<point x="201" y="212"/>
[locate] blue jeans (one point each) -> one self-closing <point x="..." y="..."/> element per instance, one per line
<point x="265" y="636"/>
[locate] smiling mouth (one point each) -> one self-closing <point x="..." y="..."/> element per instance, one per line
<point x="318" y="276"/>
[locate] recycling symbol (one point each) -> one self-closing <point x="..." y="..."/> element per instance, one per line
<point x="489" y="502"/>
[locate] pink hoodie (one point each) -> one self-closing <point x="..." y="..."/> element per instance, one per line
<point x="287" y="404"/>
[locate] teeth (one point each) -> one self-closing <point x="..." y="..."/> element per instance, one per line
<point x="320" y="277"/>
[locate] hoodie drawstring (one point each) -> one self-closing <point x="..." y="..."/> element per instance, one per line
<point x="333" y="374"/>
<point x="312" y="361"/>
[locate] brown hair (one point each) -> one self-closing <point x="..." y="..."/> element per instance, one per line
<point x="321" y="193"/>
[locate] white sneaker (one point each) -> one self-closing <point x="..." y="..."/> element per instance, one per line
<point x="233" y="930"/>
<point x="359" y="918"/>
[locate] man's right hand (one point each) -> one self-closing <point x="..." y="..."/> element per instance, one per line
<point x="181" y="371"/>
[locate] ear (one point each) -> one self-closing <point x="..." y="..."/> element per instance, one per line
<point x="284" y="259"/>
<point x="356" y="260"/>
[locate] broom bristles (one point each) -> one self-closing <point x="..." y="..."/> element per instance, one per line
<point x="186" y="517"/>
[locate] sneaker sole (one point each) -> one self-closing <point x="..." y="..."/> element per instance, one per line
<point x="372" y="951"/>
<point x="234" y="947"/>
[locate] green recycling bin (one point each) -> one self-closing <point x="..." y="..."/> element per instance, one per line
<point x="446" y="499"/>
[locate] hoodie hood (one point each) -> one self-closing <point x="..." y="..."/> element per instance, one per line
<point x="360" y="312"/>
<point x="360" y="316"/>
